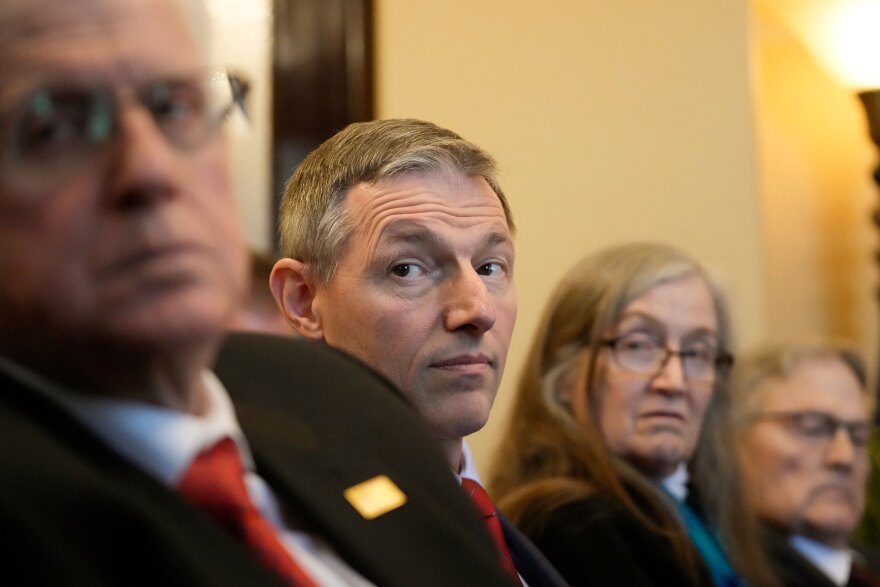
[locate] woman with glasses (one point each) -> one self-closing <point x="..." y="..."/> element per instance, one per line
<point x="801" y="416"/>
<point x="628" y="360"/>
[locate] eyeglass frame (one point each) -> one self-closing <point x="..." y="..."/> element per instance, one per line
<point x="114" y="100"/>
<point x="720" y="365"/>
<point x="832" y="424"/>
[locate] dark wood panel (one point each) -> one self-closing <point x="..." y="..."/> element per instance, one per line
<point x="322" y="77"/>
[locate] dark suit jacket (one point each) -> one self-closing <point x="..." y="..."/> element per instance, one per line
<point x="531" y="564"/>
<point x="796" y="571"/>
<point x="594" y="541"/>
<point x="75" y="513"/>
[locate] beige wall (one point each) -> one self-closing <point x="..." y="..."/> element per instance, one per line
<point x="612" y="121"/>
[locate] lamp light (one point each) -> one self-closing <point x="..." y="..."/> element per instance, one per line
<point x="842" y="37"/>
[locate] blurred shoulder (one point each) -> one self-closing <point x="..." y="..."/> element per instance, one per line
<point x="267" y="364"/>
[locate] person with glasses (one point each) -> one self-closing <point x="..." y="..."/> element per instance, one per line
<point x="629" y="358"/>
<point x="142" y="444"/>
<point x="801" y="421"/>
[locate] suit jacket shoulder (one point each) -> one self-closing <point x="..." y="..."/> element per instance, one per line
<point x="595" y="541"/>
<point x="320" y="422"/>
<point x="531" y="563"/>
<point x="869" y="555"/>
<point x="73" y="508"/>
<point x="792" y="569"/>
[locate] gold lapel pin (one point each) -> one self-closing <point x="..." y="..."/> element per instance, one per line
<point x="375" y="497"/>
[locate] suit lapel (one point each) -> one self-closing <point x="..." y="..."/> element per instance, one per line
<point x="532" y="565"/>
<point x="793" y="569"/>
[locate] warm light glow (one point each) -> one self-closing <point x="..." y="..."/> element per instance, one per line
<point x="236" y="11"/>
<point x="843" y="35"/>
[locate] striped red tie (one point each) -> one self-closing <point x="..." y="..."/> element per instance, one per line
<point x="215" y="484"/>
<point x="487" y="510"/>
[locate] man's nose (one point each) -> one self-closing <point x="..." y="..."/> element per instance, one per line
<point x="143" y="167"/>
<point x="469" y="304"/>
<point x="840" y="452"/>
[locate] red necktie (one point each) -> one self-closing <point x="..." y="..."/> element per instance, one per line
<point x="487" y="510"/>
<point x="214" y="483"/>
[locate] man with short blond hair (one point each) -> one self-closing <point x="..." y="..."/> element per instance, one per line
<point x="398" y="245"/>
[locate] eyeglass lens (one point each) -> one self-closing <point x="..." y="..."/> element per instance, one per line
<point x="59" y="127"/>
<point x="823" y="426"/>
<point x="642" y="354"/>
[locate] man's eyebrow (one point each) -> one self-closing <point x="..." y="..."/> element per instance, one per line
<point x="411" y="235"/>
<point x="419" y="235"/>
<point x="497" y="238"/>
<point x="642" y="318"/>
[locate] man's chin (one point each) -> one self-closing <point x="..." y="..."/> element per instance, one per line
<point x="459" y="423"/>
<point x="173" y="322"/>
<point x="832" y="524"/>
<point x="833" y="534"/>
<point x="659" y="460"/>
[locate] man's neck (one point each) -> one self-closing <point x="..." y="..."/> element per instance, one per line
<point x="171" y="378"/>
<point x="452" y="448"/>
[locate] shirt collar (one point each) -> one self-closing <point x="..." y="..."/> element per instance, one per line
<point x="676" y="483"/>
<point x="162" y="441"/>
<point x="468" y="466"/>
<point x="834" y="562"/>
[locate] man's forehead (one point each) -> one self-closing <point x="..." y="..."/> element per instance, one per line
<point x="836" y="391"/>
<point x="28" y="21"/>
<point x="115" y="41"/>
<point x="425" y="194"/>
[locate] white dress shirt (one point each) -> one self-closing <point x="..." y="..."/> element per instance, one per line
<point x="468" y="466"/>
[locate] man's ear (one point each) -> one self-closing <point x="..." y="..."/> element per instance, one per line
<point x="294" y="293"/>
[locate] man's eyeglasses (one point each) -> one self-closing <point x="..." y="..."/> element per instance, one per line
<point x="820" y="426"/>
<point x="57" y="129"/>
<point x="644" y="354"/>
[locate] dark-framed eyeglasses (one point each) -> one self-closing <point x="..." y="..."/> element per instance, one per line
<point x="820" y="426"/>
<point x="645" y="354"/>
<point x="57" y="129"/>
